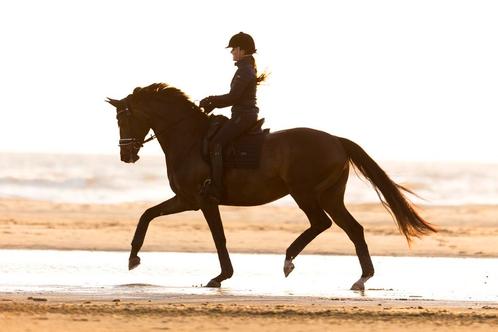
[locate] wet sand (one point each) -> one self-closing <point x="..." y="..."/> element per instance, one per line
<point x="469" y="231"/>
<point x="199" y="313"/>
<point x="464" y="231"/>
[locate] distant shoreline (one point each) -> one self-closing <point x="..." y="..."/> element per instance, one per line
<point x="94" y="179"/>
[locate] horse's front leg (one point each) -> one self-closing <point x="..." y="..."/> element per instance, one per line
<point x="171" y="206"/>
<point x="212" y="214"/>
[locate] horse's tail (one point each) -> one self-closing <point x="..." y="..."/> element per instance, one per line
<point x="408" y="220"/>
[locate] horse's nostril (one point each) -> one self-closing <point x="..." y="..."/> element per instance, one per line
<point x="131" y="158"/>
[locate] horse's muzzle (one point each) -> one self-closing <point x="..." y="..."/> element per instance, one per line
<point x="130" y="158"/>
<point x="129" y="150"/>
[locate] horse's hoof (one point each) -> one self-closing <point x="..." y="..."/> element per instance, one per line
<point x="133" y="262"/>
<point x="288" y="267"/>
<point x="358" y="286"/>
<point x="213" y="284"/>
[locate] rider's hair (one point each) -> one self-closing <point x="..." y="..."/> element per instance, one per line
<point x="262" y="77"/>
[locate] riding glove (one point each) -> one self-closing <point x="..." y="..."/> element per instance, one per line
<point x="207" y="104"/>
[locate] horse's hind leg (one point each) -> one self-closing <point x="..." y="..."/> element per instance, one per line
<point x="319" y="222"/>
<point x="332" y="201"/>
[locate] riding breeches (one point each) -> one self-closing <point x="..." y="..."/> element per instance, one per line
<point x="233" y="128"/>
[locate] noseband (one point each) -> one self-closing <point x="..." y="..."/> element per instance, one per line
<point x="132" y="142"/>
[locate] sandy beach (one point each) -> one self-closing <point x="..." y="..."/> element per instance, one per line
<point x="464" y="231"/>
<point x="194" y="313"/>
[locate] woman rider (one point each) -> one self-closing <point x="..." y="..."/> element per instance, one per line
<point x="242" y="98"/>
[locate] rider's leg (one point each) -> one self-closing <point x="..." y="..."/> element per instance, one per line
<point x="216" y="158"/>
<point x="230" y="130"/>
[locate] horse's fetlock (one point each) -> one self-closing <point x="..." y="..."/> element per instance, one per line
<point x="368" y="272"/>
<point x="228" y="274"/>
<point x="134" y="250"/>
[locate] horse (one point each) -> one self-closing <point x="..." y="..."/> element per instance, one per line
<point x="310" y="165"/>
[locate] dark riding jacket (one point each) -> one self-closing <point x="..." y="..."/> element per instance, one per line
<point x="242" y="95"/>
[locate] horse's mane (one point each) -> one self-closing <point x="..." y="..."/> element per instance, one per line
<point x="165" y="93"/>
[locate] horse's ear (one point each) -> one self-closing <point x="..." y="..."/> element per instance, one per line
<point x="113" y="102"/>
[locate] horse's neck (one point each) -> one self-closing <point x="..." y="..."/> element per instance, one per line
<point x="179" y="136"/>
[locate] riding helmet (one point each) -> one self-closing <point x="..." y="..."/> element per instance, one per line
<point x="244" y="41"/>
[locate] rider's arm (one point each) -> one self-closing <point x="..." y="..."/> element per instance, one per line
<point x="241" y="80"/>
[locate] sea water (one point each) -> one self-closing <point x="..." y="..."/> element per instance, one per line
<point x="162" y="274"/>
<point x="105" y="179"/>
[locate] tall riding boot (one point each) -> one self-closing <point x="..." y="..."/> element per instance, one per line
<point x="216" y="187"/>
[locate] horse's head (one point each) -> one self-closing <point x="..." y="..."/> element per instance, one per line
<point x="133" y="127"/>
<point x="157" y="105"/>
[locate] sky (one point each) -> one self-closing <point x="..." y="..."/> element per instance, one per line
<point x="407" y="80"/>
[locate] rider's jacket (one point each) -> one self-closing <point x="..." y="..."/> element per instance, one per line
<point x="242" y="95"/>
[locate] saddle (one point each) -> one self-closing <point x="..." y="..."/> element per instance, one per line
<point x="244" y="151"/>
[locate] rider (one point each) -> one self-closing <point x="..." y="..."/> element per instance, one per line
<point x="242" y="98"/>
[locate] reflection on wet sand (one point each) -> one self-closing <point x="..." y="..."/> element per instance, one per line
<point x="104" y="274"/>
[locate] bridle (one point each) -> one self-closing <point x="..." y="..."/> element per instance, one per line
<point x="132" y="143"/>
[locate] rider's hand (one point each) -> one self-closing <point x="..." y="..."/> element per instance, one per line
<point x="207" y="104"/>
<point x="208" y="109"/>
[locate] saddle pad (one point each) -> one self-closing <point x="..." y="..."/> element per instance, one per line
<point x="245" y="152"/>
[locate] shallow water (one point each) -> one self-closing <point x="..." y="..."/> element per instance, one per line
<point x="105" y="179"/>
<point x="165" y="273"/>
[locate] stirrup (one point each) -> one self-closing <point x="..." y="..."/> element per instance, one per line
<point x="210" y="191"/>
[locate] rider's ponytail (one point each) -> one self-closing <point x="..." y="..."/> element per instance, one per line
<point x="262" y="77"/>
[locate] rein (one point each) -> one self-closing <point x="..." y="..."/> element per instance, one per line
<point x="133" y="142"/>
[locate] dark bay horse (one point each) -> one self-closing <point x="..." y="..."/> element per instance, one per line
<point x="310" y="165"/>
